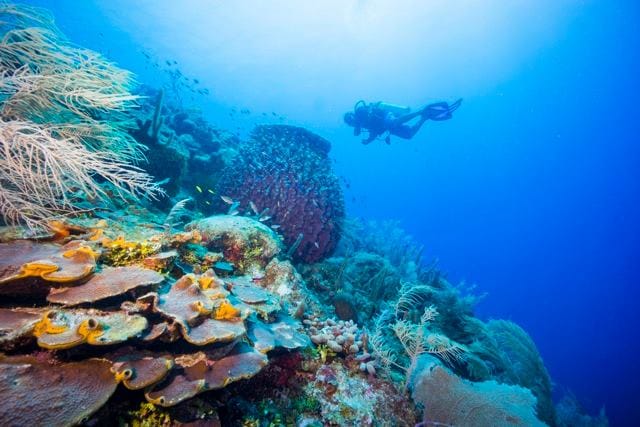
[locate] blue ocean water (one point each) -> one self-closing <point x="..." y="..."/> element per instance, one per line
<point x="531" y="191"/>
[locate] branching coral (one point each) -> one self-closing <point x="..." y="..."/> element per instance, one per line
<point x="39" y="171"/>
<point x="379" y="342"/>
<point x="417" y="340"/>
<point x="60" y="113"/>
<point x="415" y="337"/>
<point x="339" y="336"/>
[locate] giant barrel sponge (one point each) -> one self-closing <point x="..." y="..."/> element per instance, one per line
<point x="286" y="169"/>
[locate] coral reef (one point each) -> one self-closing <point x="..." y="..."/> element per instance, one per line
<point x="286" y="170"/>
<point x="185" y="151"/>
<point x="413" y="326"/>
<point x="121" y="313"/>
<point x="215" y="332"/>
<point x="411" y="310"/>
<point x="354" y="285"/>
<point x="300" y="389"/>
<point x="196" y="332"/>
<point x="386" y="239"/>
<point x="347" y="399"/>
<point x="570" y="413"/>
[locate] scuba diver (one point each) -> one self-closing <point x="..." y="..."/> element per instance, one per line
<point x="380" y="118"/>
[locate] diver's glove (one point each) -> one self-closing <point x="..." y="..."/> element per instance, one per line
<point x="440" y="110"/>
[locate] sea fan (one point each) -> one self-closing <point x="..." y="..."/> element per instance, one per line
<point x="60" y="116"/>
<point x="451" y="401"/>
<point x="176" y="215"/>
<point x="409" y="296"/>
<point x="379" y="343"/>
<point x="415" y="338"/>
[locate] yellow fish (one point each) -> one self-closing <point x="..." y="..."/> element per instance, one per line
<point x="211" y="191"/>
<point x="199" y="189"/>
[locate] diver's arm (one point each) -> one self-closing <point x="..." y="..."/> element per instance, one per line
<point x="372" y="137"/>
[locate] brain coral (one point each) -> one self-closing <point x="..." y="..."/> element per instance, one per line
<point x="286" y="169"/>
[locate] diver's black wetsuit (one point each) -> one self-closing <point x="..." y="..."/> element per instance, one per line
<point x="378" y="119"/>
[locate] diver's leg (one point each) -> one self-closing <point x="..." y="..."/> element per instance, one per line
<point x="403" y="119"/>
<point x="406" y="131"/>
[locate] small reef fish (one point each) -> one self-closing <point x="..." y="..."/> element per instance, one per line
<point x="164" y="181"/>
<point x="316" y="245"/>
<point x="254" y="208"/>
<point x="228" y="200"/>
<point x="264" y="218"/>
<point x="224" y="266"/>
<point x="211" y="191"/>
<point x="275" y="226"/>
<point x="186" y="268"/>
<point x="207" y="202"/>
<point x="199" y="189"/>
<point x="233" y="209"/>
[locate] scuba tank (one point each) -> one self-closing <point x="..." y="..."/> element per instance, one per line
<point x="396" y="110"/>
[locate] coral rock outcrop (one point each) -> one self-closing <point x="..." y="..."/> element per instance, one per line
<point x="48" y="392"/>
<point x="244" y="242"/>
<point x="53" y="264"/>
<point x="107" y="283"/>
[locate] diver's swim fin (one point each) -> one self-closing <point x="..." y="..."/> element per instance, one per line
<point x="440" y="110"/>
